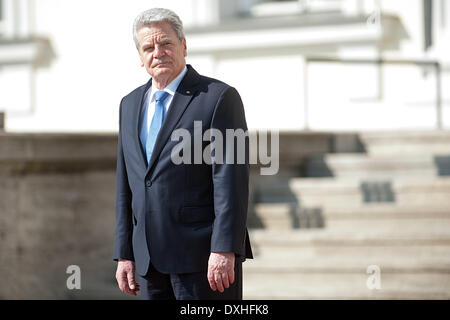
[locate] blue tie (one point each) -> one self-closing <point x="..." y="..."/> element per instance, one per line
<point x="157" y="120"/>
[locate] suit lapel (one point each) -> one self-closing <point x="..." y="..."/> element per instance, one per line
<point x="137" y="124"/>
<point x="180" y="102"/>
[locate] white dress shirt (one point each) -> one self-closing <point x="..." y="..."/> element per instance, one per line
<point x="171" y="88"/>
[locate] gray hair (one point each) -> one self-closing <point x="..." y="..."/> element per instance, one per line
<point x="155" y="15"/>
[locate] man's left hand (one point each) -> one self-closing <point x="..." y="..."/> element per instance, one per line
<point x="220" y="270"/>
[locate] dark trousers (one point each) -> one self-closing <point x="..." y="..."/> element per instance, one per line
<point x="187" y="286"/>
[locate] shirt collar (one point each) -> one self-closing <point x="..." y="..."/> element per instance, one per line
<point x="172" y="87"/>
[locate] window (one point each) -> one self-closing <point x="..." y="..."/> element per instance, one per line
<point x="287" y="7"/>
<point x="428" y="23"/>
<point x="1" y="16"/>
<point x="14" y="18"/>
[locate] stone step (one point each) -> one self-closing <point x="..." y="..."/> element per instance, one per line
<point x="273" y="191"/>
<point x="378" y="166"/>
<point x="270" y="267"/>
<point x="400" y="251"/>
<point x="323" y="264"/>
<point x="410" y="225"/>
<point x="276" y="215"/>
<point x="383" y="216"/>
<point x="348" y="264"/>
<point x="304" y="243"/>
<point x="318" y="264"/>
<point x="355" y="237"/>
<point x="345" y="192"/>
<point x="312" y="285"/>
<point x="388" y="210"/>
<point x="406" y="142"/>
<point x="366" y="211"/>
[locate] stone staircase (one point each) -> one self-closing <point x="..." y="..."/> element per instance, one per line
<point x="321" y="236"/>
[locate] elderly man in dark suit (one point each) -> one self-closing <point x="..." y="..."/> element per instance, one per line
<point x="181" y="227"/>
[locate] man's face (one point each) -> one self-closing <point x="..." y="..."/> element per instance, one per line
<point x="161" y="52"/>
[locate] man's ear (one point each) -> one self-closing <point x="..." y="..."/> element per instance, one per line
<point x="184" y="47"/>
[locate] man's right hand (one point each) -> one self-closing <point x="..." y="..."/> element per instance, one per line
<point x="125" y="277"/>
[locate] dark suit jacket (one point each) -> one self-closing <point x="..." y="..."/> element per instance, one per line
<point x="175" y="215"/>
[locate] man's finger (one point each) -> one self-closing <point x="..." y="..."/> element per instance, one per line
<point x="128" y="290"/>
<point x="121" y="286"/>
<point x="218" y="280"/>
<point x="131" y="282"/>
<point x="211" y="281"/>
<point x="121" y="280"/>
<point x="231" y="276"/>
<point x="225" y="281"/>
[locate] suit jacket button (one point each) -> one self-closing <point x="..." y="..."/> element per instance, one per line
<point x="148" y="183"/>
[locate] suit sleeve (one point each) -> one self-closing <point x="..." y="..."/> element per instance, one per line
<point x="124" y="223"/>
<point x="230" y="178"/>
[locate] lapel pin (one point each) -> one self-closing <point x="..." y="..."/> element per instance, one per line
<point x="188" y="92"/>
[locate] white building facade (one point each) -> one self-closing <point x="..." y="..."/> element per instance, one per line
<point x="320" y="65"/>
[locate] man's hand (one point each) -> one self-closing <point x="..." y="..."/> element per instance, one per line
<point x="220" y="270"/>
<point x="125" y="276"/>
